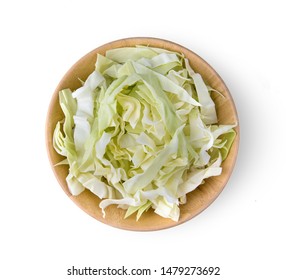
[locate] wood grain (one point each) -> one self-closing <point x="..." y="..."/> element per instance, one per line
<point x="199" y="199"/>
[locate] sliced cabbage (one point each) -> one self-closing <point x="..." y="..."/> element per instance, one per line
<point x="141" y="132"/>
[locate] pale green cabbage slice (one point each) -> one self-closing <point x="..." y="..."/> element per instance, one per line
<point x="141" y="132"/>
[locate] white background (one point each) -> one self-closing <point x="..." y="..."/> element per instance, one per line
<point x="43" y="233"/>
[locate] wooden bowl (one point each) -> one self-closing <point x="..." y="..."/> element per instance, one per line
<point x="197" y="200"/>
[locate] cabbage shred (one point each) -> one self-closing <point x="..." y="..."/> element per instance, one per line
<point x="141" y="132"/>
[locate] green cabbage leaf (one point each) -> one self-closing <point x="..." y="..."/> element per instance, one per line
<point x="141" y="132"/>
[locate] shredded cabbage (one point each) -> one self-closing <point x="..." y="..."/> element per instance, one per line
<point x="141" y="132"/>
